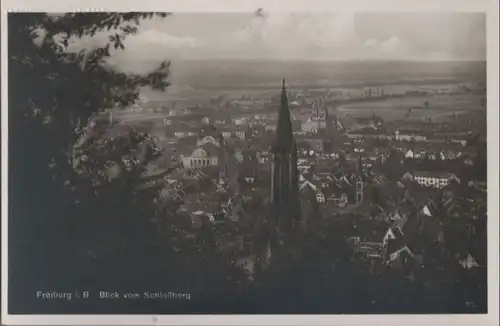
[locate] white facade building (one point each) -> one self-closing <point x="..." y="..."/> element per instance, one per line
<point x="434" y="179"/>
<point x="200" y="158"/>
<point x="205" y="155"/>
<point x="404" y="136"/>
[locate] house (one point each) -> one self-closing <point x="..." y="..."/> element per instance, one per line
<point x="241" y="132"/>
<point x="426" y="211"/>
<point x="396" y="243"/>
<point x="468" y="161"/>
<point x="248" y="169"/>
<point x="369" y="122"/>
<point x="396" y="214"/>
<point x="311" y="126"/>
<point x="205" y="120"/>
<point x="306" y="145"/>
<point x="462" y="142"/>
<point x="368" y="239"/>
<point x="220" y="122"/>
<point x="469" y="262"/>
<point x="403" y="253"/>
<point x="184" y="133"/>
<point x="341" y="199"/>
<point x="336" y="196"/>
<point x="264" y="157"/>
<point x="432" y="155"/>
<point x="237" y="212"/>
<point x="399" y="247"/>
<point x="305" y="184"/>
<point x="239" y="121"/>
<point x="238" y="155"/>
<point x="389" y="235"/>
<point x="409" y="154"/>
<point x="270" y="128"/>
<point x="182" y="130"/>
<point x="408" y="135"/>
<point x="407" y="176"/>
<point x="226" y="133"/>
<point x="320" y="197"/>
<point x="173" y="190"/>
<point x="193" y="213"/>
<point x="434" y="179"/>
<point x="248" y="263"/>
<point x="448" y="155"/>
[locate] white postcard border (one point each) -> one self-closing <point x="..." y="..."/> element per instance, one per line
<point x="489" y="6"/>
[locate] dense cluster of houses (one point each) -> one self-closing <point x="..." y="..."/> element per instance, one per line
<point x="378" y="176"/>
<point x="409" y="231"/>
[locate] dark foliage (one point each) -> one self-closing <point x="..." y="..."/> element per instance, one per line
<point x="80" y="216"/>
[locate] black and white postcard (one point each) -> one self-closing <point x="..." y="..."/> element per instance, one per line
<point x="250" y="163"/>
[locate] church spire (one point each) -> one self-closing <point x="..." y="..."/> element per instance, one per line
<point x="359" y="167"/>
<point x="284" y="128"/>
<point x="284" y="179"/>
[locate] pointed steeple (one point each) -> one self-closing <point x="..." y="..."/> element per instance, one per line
<point x="359" y="168"/>
<point x="284" y="129"/>
<point x="317" y="104"/>
<point x="284" y="179"/>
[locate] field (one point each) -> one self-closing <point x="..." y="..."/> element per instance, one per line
<point x="194" y="83"/>
<point x="436" y="107"/>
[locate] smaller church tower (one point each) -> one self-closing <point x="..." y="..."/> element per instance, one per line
<point x="359" y="190"/>
<point x="360" y="182"/>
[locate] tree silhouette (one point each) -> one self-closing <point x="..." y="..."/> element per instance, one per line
<point x="68" y="221"/>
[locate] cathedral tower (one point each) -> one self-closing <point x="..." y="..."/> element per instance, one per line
<point x="284" y="179"/>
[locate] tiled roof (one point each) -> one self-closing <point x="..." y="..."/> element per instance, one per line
<point x="398" y="243"/>
<point x="211" y="149"/>
<point x="370" y="231"/>
<point x="433" y="174"/>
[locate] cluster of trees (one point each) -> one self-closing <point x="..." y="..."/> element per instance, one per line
<point x="80" y="217"/>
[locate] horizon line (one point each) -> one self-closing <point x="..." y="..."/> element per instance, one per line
<point x="335" y="61"/>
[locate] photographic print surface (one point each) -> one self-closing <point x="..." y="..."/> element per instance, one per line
<point x="247" y="163"/>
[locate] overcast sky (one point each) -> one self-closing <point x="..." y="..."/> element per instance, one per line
<point x="308" y="36"/>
